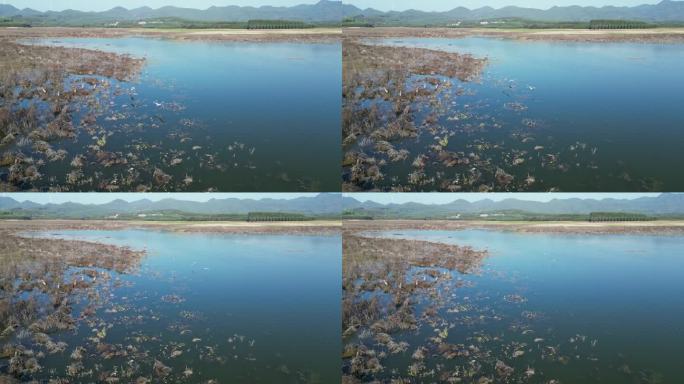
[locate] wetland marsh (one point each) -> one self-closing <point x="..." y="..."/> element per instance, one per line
<point x="503" y="306"/>
<point x="132" y="113"/>
<point x="543" y="115"/>
<point x="134" y="305"/>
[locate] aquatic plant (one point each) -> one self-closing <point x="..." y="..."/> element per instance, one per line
<point x="41" y="280"/>
<point x="41" y="90"/>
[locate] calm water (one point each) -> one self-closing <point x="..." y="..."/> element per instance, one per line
<point x="240" y="116"/>
<point x="610" y="112"/>
<point x="611" y="306"/>
<point x="264" y="308"/>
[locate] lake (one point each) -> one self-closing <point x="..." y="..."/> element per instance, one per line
<point x="572" y="116"/>
<point x="221" y="116"/>
<point x="231" y="308"/>
<point x="571" y="308"/>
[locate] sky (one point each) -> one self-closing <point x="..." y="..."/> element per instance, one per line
<point x="442" y="198"/>
<point x="103" y="5"/>
<point x="103" y="198"/>
<point x="383" y="5"/>
<point x="445" y="5"/>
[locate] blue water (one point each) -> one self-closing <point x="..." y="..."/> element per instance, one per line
<point x="277" y="292"/>
<point x="246" y="105"/>
<point x="624" y="291"/>
<point x="623" y="99"/>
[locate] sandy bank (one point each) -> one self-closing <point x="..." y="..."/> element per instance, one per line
<point x="302" y="227"/>
<point x="660" y="35"/>
<point x="670" y="227"/>
<point x="309" y="35"/>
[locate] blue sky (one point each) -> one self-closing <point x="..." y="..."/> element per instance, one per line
<point x="102" y="198"/>
<point x="441" y="198"/>
<point x="445" y="5"/>
<point x="101" y="5"/>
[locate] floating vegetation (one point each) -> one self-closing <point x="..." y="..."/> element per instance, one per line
<point x="42" y="93"/>
<point x="81" y="311"/>
<point x="416" y="309"/>
<point x="74" y="119"/>
<point x="390" y="289"/>
<point x="43" y="283"/>
<point x="418" y="119"/>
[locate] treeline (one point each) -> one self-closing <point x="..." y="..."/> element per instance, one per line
<point x="353" y="22"/>
<point x="617" y="217"/>
<point x="619" y="24"/>
<point x="277" y="24"/>
<point x="505" y="22"/>
<point x="511" y="215"/>
<point x="276" y="216"/>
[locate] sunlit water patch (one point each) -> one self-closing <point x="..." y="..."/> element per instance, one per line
<point x="227" y="308"/>
<point x="208" y="116"/>
<point x="551" y="308"/>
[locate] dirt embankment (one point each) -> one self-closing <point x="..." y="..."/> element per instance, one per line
<point x="660" y="35"/>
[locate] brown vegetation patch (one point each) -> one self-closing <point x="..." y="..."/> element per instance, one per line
<point x="41" y="89"/>
<point x="383" y="280"/>
<point x="383" y="88"/>
<point x="40" y="281"/>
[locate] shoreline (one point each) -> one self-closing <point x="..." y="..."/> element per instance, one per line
<point x="665" y="227"/>
<point x="322" y="227"/>
<point x="312" y="35"/>
<point x="662" y="35"/>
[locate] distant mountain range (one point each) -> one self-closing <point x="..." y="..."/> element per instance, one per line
<point x="323" y="11"/>
<point x="665" y="11"/>
<point x="327" y="11"/>
<point x="322" y="204"/>
<point x="334" y="204"/>
<point x="665" y="204"/>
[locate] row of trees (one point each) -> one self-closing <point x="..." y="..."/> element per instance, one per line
<point x="277" y="24"/>
<point x="617" y="217"/>
<point x="275" y="216"/>
<point x="618" y="24"/>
